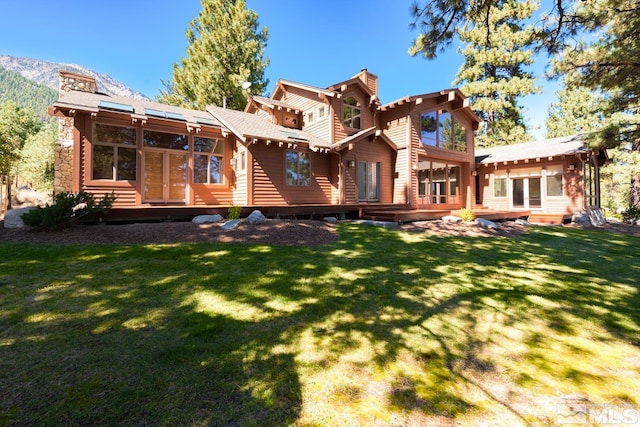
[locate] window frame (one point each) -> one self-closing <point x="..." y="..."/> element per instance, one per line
<point x="209" y="155"/>
<point x="116" y="155"/>
<point x="439" y="139"/>
<point x="503" y="187"/>
<point x="554" y="172"/>
<point x="355" y="113"/>
<point x="298" y="178"/>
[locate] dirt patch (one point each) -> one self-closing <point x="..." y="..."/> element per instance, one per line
<point x="272" y="232"/>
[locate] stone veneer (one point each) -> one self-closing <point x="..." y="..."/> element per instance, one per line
<point x="63" y="175"/>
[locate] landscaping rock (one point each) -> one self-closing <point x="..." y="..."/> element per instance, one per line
<point x="452" y="219"/>
<point x="330" y="219"/>
<point x="524" y="222"/>
<point x="581" y="218"/>
<point x="486" y="223"/>
<point x="205" y="219"/>
<point x="256" y="217"/>
<point x="230" y="225"/>
<point x="12" y="219"/>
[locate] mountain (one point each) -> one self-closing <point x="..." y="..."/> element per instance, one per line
<point x="46" y="73"/>
<point x="26" y="93"/>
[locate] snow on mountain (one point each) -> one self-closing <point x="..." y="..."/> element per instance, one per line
<point x="46" y="73"/>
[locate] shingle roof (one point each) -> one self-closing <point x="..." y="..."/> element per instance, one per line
<point x="532" y="150"/>
<point x="96" y="102"/>
<point x="247" y="126"/>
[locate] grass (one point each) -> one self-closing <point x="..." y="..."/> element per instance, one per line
<point x="381" y="327"/>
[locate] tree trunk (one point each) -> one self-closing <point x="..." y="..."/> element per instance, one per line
<point x="634" y="196"/>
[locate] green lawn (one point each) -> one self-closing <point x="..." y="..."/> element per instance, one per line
<point x="380" y="328"/>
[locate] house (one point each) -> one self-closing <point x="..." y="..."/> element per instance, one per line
<point x="552" y="178"/>
<point x="335" y="149"/>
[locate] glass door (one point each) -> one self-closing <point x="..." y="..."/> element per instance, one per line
<point x="526" y="193"/>
<point x="165" y="177"/>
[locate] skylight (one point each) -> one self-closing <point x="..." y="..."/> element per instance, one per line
<point x="115" y="106"/>
<point x="174" y="116"/>
<point x="155" y="113"/>
<point x="206" y="121"/>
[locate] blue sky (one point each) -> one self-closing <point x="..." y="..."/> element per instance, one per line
<point x="313" y="42"/>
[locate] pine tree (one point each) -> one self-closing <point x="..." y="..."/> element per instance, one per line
<point x="497" y="51"/>
<point x="225" y="50"/>
<point x="578" y="111"/>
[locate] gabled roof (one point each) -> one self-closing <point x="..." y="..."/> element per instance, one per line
<point x="248" y="127"/>
<point x="303" y="86"/>
<point x="138" y="109"/>
<point x="273" y="103"/>
<point x="567" y="145"/>
<point x="371" y="133"/>
<point x="453" y="95"/>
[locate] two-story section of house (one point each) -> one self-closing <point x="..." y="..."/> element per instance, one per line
<point x="302" y="146"/>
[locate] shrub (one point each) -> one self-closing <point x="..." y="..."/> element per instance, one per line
<point x="467" y="214"/>
<point x="66" y="209"/>
<point x="234" y="212"/>
<point x="631" y="214"/>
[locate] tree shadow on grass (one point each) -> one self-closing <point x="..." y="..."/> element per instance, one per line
<point x="245" y="335"/>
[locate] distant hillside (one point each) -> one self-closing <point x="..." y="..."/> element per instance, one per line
<point x="26" y="93"/>
<point x="46" y="73"/>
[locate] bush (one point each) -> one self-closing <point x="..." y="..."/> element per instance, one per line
<point x="467" y="214"/>
<point x="66" y="209"/>
<point x="631" y="214"/>
<point x="234" y="212"/>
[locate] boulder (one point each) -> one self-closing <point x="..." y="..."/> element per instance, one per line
<point x="205" y="219"/>
<point x="230" y="225"/>
<point x="12" y="219"/>
<point x="330" y="219"/>
<point x="452" y="218"/>
<point x="581" y="218"/>
<point x="256" y="217"/>
<point x="486" y="223"/>
<point x="524" y="222"/>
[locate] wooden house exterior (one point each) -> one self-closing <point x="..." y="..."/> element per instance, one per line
<point x="303" y="146"/>
<point x="552" y="178"/>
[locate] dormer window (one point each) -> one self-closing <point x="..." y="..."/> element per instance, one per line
<point x="351" y="113"/>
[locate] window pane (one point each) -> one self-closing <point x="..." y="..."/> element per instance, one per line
<point x="428" y="128"/>
<point x="214" y="170"/>
<point x="304" y="169"/>
<point x="454" y="179"/>
<point x="535" y="194"/>
<point x="362" y="180"/>
<point x="200" y="163"/>
<point x="102" y="162"/>
<point x="500" y="187"/>
<point x="126" y="164"/>
<point x="460" y="136"/>
<point x="292" y="167"/>
<point x="445" y="127"/>
<point x="114" y="134"/>
<point x="554" y="185"/>
<point x="165" y="140"/>
<point x="372" y="182"/>
<point x="423" y="176"/>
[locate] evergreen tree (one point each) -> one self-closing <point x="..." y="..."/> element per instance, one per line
<point x="578" y="111"/>
<point x="36" y="166"/>
<point x="16" y="124"/>
<point x="497" y="51"/>
<point x="225" y="50"/>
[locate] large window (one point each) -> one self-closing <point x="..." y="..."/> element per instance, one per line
<point x="208" y="159"/>
<point x="114" y="153"/>
<point x="499" y="187"/>
<point x="351" y="113"/>
<point x="170" y="141"/>
<point x="440" y="129"/>
<point x="298" y="168"/>
<point x="554" y="182"/>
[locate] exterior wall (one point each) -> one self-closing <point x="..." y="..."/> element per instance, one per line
<point x="396" y="128"/>
<point x="571" y="201"/>
<point x="130" y="193"/>
<point x="269" y="181"/>
<point x="366" y="151"/>
<point x="306" y="101"/>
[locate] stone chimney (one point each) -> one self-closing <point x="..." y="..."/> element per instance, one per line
<point x="71" y="81"/>
<point x="63" y="161"/>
